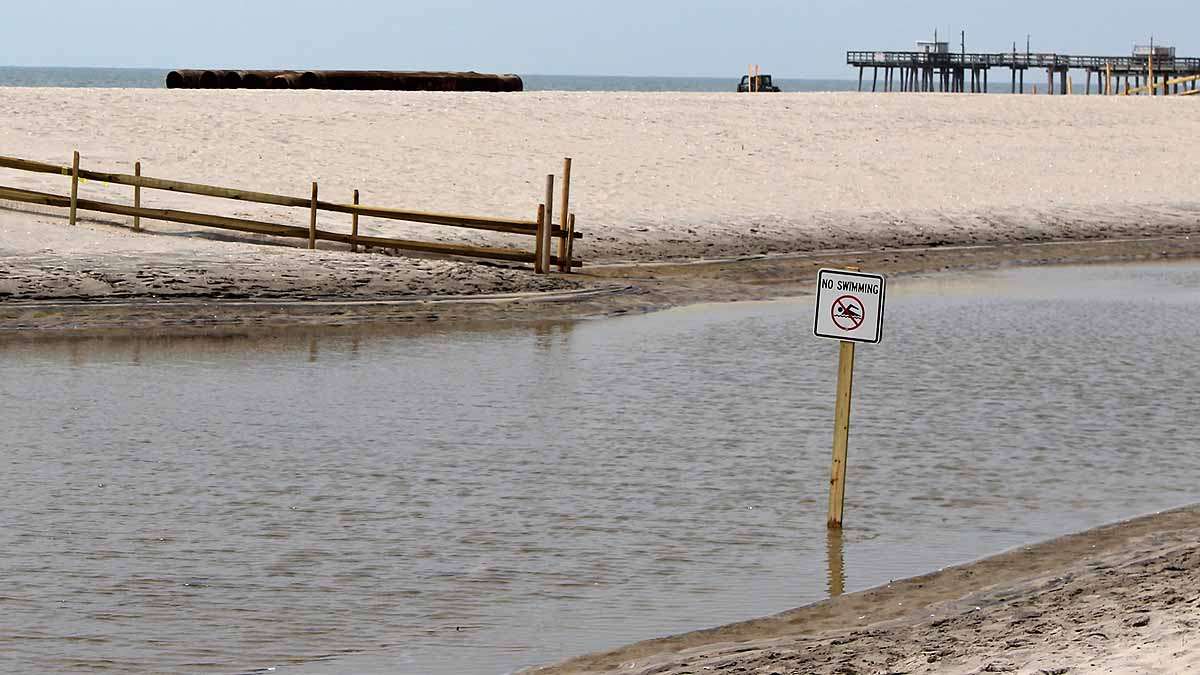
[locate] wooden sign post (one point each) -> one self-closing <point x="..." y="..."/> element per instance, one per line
<point x="850" y="310"/>
<point x="841" y="434"/>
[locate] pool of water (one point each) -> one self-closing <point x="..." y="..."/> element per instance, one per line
<point x="476" y="501"/>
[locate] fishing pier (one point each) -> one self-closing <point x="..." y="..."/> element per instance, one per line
<point x="932" y="67"/>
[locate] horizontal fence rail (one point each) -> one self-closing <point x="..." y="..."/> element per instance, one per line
<point x="541" y="228"/>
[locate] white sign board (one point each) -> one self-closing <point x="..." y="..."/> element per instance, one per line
<point x="850" y="306"/>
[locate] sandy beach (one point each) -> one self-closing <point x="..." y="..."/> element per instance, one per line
<point x="658" y="177"/>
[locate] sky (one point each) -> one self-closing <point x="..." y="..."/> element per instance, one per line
<point x="696" y="38"/>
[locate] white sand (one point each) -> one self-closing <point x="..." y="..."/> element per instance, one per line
<point x="679" y="172"/>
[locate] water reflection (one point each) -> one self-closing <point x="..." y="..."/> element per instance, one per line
<point x="835" y="555"/>
<point x="551" y="337"/>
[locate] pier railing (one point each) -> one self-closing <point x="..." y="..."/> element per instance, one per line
<point x="541" y="227"/>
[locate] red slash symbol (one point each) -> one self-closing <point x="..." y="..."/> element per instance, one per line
<point x="848" y="313"/>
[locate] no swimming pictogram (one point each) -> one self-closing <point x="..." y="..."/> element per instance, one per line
<point x="848" y="312"/>
<point x="849" y="306"/>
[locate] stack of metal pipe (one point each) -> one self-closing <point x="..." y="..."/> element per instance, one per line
<point x="387" y="80"/>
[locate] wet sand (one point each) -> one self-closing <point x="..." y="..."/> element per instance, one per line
<point x="1119" y="599"/>
<point x="449" y="295"/>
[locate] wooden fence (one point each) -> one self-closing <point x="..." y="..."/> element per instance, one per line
<point x="1189" y="83"/>
<point x="541" y="227"/>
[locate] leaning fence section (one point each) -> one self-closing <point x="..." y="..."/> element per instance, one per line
<point x="542" y="228"/>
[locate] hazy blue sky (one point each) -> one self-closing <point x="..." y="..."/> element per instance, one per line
<point x="802" y="38"/>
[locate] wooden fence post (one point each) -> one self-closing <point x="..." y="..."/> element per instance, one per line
<point x="541" y="232"/>
<point x="312" y="220"/>
<point x="549" y="222"/>
<point x="1150" y="69"/>
<point x="354" y="227"/>
<point x="137" y="196"/>
<point x="74" y="184"/>
<point x="564" y="263"/>
<point x="570" y="240"/>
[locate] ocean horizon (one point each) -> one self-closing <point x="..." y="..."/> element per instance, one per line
<point x="155" y="78"/>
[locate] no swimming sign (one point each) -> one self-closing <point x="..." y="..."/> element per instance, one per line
<point x="849" y="309"/>
<point x="850" y="306"/>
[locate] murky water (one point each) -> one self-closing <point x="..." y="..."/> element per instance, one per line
<point x="473" y="502"/>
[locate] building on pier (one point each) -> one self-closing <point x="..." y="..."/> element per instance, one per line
<point x="1159" y="51"/>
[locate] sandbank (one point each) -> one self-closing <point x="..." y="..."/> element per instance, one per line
<point x="1118" y="599"/>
